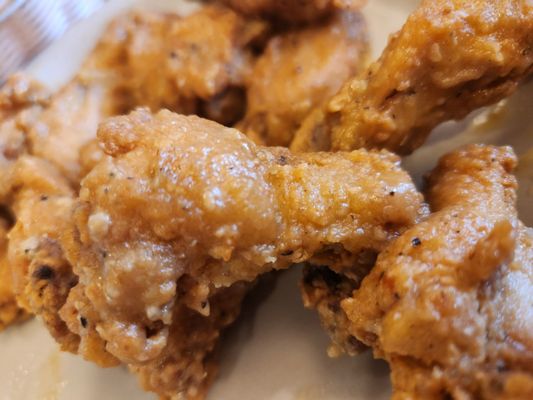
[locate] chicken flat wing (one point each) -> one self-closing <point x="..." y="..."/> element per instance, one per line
<point x="299" y="71"/>
<point x="450" y="58"/>
<point x="183" y="209"/>
<point x="295" y="12"/>
<point x="449" y="303"/>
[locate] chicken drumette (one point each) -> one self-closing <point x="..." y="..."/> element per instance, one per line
<point x="183" y="209"/>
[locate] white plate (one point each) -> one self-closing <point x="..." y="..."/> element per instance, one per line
<point x="277" y="350"/>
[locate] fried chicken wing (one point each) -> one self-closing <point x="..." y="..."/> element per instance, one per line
<point x="450" y="58"/>
<point x="113" y="79"/>
<point x="21" y="101"/>
<point x="295" y="12"/>
<point x="300" y="70"/>
<point x="196" y="59"/>
<point x="183" y="209"/>
<point x="10" y="312"/>
<point x="449" y="303"/>
<point x="41" y="199"/>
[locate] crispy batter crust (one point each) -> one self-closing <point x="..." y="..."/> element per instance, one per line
<point x="10" y="312"/>
<point x="450" y="58"/>
<point x="184" y="207"/>
<point x="21" y="100"/>
<point x="448" y="303"/>
<point x="117" y="75"/>
<point x="300" y="70"/>
<point x="42" y="200"/>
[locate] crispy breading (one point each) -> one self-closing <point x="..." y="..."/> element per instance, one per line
<point x="294" y="12"/>
<point x="41" y="199"/>
<point x="450" y="58"/>
<point x="196" y="58"/>
<point x="21" y="101"/>
<point x="10" y="312"/>
<point x="448" y="303"/>
<point x="115" y="77"/>
<point x="300" y="70"/>
<point x="183" y="207"/>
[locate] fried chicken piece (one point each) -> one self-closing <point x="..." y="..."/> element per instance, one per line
<point x="188" y="364"/>
<point x="196" y="59"/>
<point x="193" y="208"/>
<point x="295" y="12"/>
<point x="450" y="58"/>
<point x="448" y="303"/>
<point x="10" y="312"/>
<point x="21" y="100"/>
<point x="42" y="200"/>
<point x="299" y="71"/>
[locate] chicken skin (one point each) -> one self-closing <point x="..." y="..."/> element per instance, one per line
<point x="21" y="101"/>
<point x="448" y="304"/>
<point x="41" y="199"/>
<point x="450" y="58"/>
<point x="55" y="129"/>
<point x="299" y="71"/>
<point x="183" y="209"/>
<point x="10" y="312"/>
<point x="196" y="58"/>
<point x="294" y="12"/>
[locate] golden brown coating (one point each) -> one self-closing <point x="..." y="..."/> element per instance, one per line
<point x="21" y="100"/>
<point x="10" y="312"/>
<point x="112" y="81"/>
<point x="448" y="303"/>
<point x="90" y="154"/>
<point x="299" y="71"/>
<point x="196" y="59"/>
<point x="450" y="58"/>
<point x="183" y="207"/>
<point x="292" y="11"/>
<point x="42" y="201"/>
<point x="187" y="365"/>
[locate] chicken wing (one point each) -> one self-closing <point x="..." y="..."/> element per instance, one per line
<point x="450" y="58"/>
<point x="295" y="12"/>
<point x="449" y="303"/>
<point x="41" y="199"/>
<point x="114" y="78"/>
<point x="10" y="312"/>
<point x="299" y="71"/>
<point x="191" y="209"/>
<point x="196" y="58"/>
<point x="21" y="100"/>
